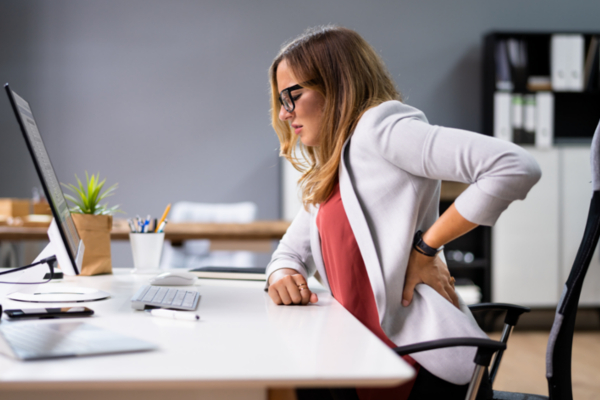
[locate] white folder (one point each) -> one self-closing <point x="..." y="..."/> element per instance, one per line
<point x="576" y="63"/>
<point x="544" y="127"/>
<point x="559" y="62"/>
<point x="566" y="62"/>
<point x="502" y="119"/>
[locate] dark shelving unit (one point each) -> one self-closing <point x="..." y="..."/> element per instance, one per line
<point x="477" y="242"/>
<point x="576" y="114"/>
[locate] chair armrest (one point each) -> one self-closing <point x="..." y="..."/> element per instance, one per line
<point x="513" y="312"/>
<point x="485" y="347"/>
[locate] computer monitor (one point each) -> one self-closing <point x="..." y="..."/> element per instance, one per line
<point x="64" y="239"/>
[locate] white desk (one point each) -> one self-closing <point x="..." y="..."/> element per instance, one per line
<point x="243" y="345"/>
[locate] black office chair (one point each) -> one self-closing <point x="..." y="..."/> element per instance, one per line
<point x="560" y="343"/>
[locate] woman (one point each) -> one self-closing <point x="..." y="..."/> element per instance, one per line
<point x="372" y="167"/>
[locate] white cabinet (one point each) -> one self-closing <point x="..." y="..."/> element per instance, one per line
<point x="535" y="241"/>
<point x="576" y="182"/>
<point x="525" y="255"/>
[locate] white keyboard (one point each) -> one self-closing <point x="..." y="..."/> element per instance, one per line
<point x="165" y="297"/>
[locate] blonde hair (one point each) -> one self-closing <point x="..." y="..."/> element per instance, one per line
<point x="340" y="65"/>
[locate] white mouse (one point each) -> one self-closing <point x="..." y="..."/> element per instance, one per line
<point x="174" y="278"/>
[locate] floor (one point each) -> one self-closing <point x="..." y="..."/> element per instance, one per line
<point x="523" y="367"/>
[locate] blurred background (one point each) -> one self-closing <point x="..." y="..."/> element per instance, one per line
<point x="170" y="99"/>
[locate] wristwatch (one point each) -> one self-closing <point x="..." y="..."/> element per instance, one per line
<point x="422" y="247"/>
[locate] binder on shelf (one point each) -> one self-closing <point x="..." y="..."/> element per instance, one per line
<point x="544" y="127"/>
<point x="566" y="65"/>
<point x="517" y="54"/>
<point x="516" y="116"/>
<point x="503" y="77"/>
<point x="529" y="119"/>
<point x="502" y="119"/>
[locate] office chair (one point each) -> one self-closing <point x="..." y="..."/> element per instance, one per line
<point x="560" y="342"/>
<point x="197" y="253"/>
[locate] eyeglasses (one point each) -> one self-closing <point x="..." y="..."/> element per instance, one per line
<point x="286" y="99"/>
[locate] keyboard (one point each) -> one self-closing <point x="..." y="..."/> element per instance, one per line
<point x="165" y="297"/>
<point x="40" y="340"/>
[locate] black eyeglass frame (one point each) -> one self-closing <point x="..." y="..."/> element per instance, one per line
<point x="289" y="96"/>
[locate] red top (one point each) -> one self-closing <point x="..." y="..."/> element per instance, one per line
<point x="349" y="282"/>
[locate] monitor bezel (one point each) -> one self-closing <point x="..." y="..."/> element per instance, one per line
<point x="73" y="257"/>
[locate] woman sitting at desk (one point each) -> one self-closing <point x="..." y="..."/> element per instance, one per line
<point x="372" y="167"/>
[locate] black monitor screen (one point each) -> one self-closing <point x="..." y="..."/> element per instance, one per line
<point x="46" y="173"/>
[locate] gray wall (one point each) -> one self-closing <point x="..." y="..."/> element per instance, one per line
<point x="170" y="98"/>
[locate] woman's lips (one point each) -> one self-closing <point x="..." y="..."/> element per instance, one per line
<point x="297" y="128"/>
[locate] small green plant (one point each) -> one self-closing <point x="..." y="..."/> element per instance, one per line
<point x="89" y="196"/>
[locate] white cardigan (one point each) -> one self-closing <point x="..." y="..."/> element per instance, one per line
<point x="390" y="176"/>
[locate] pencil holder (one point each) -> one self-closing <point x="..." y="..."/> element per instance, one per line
<point x="146" y="249"/>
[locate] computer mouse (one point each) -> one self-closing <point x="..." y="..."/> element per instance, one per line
<point x="174" y="278"/>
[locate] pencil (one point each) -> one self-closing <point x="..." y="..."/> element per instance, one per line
<point x="164" y="215"/>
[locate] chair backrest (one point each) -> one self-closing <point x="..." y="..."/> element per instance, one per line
<point x="197" y="253"/>
<point x="560" y="343"/>
<point x="187" y="211"/>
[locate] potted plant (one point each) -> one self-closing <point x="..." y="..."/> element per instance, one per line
<point x="93" y="221"/>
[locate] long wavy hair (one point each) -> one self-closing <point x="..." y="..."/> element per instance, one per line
<point x="339" y="64"/>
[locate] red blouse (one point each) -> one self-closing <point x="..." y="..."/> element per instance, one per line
<point x="349" y="282"/>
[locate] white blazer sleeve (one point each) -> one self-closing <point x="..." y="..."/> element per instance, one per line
<point x="499" y="172"/>
<point x="294" y="250"/>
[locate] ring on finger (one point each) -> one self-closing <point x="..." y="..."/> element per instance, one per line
<point x="452" y="281"/>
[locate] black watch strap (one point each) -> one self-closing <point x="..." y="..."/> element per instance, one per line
<point x="422" y="247"/>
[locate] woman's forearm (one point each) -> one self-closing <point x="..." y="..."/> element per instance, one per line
<point x="431" y="270"/>
<point x="448" y="227"/>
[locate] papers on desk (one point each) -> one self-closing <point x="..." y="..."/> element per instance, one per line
<point x="235" y="273"/>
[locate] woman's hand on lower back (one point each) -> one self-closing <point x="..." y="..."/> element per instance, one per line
<point x="431" y="271"/>
<point x="287" y="286"/>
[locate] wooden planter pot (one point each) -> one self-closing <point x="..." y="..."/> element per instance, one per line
<point x="94" y="230"/>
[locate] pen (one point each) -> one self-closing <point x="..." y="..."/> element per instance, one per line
<point x="164" y="216"/>
<point x="161" y="228"/>
<point x="131" y="225"/>
<point x="183" y="315"/>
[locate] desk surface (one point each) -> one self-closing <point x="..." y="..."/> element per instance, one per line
<point x="258" y="230"/>
<point x="243" y="340"/>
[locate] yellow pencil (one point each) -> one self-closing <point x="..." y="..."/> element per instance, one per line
<point x="163" y="217"/>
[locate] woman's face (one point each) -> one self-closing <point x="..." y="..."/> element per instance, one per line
<point x="306" y="117"/>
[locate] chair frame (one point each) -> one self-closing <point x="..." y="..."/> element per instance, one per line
<point x="560" y="343"/>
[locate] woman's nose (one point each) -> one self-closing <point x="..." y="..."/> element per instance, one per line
<point x="284" y="114"/>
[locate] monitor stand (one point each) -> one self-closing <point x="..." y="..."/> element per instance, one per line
<point x="52" y="292"/>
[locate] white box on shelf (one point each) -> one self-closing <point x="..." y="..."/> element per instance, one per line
<point x="544" y="126"/>
<point x="502" y="118"/>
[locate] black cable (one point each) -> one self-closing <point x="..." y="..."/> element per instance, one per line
<point x="51" y="261"/>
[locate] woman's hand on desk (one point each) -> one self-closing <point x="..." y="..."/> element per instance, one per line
<point x="431" y="271"/>
<point x="287" y="286"/>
